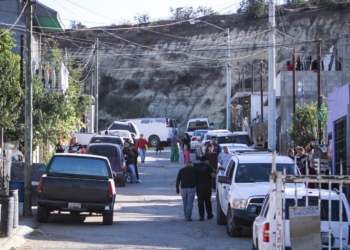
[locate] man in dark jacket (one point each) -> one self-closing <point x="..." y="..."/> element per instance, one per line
<point x="203" y="187"/>
<point x="129" y="156"/>
<point x="187" y="177"/>
<point x="216" y="146"/>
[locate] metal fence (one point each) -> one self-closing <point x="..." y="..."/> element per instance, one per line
<point x="304" y="221"/>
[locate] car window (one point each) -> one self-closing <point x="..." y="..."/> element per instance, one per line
<point x="119" y="126"/>
<point x="172" y="123"/>
<point x="192" y="126"/>
<point x="209" y="136"/>
<point x="106" y="140"/>
<point x="243" y="139"/>
<point x="230" y="170"/>
<point x="63" y="166"/>
<point x="259" y="172"/>
<point x="265" y="207"/>
<point x="103" y="150"/>
<point x="324" y="208"/>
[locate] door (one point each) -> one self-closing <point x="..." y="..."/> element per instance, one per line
<point x="340" y="144"/>
<point x="225" y="189"/>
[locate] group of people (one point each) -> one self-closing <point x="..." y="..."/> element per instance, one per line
<point x="175" y="148"/>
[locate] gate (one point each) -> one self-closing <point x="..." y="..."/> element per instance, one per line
<point x="306" y="223"/>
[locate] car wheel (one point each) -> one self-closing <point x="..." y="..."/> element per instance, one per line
<point x="231" y="229"/>
<point x="154" y="141"/>
<point x="42" y="215"/>
<point x="108" y="218"/>
<point x="220" y="216"/>
<point x="122" y="183"/>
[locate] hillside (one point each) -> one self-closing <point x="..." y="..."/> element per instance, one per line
<point x="180" y="70"/>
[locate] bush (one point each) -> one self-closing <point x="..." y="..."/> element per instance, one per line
<point x="131" y="86"/>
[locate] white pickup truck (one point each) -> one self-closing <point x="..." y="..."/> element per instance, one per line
<point x="245" y="182"/>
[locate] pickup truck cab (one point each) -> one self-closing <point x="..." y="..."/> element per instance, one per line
<point x="245" y="181"/>
<point x="264" y="224"/>
<point x="79" y="184"/>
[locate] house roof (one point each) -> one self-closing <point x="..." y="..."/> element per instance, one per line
<point x="46" y="19"/>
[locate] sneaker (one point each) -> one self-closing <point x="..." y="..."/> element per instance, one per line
<point x="138" y="181"/>
<point x="201" y="219"/>
<point x="210" y="217"/>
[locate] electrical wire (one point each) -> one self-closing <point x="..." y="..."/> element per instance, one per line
<point x="24" y="7"/>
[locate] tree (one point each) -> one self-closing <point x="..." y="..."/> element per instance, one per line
<point x="305" y="123"/>
<point x="142" y="18"/>
<point x="11" y="93"/>
<point x="184" y="13"/>
<point x="77" y="25"/>
<point x="253" y="9"/>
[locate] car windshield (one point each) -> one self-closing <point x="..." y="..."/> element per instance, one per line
<point x="103" y="150"/>
<point x="121" y="126"/>
<point x="243" y="139"/>
<point x="63" y="166"/>
<point x="313" y="201"/>
<point x="192" y="126"/>
<point x="259" y="172"/>
<point x="106" y="140"/>
<point x="123" y="134"/>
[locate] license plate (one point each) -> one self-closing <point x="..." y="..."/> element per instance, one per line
<point x="74" y="205"/>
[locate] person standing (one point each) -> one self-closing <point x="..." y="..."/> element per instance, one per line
<point x="59" y="147"/>
<point x="133" y="148"/>
<point x="224" y="158"/>
<point x="259" y="142"/>
<point x="216" y="146"/>
<point x="213" y="161"/>
<point x="129" y="156"/>
<point x="75" y="146"/>
<point x="186" y="147"/>
<point x="174" y="143"/>
<point x="203" y="188"/>
<point x="141" y="145"/>
<point x="187" y="177"/>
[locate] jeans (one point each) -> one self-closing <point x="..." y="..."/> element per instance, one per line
<point x="142" y="154"/>
<point x="187" y="200"/>
<point x="131" y="169"/>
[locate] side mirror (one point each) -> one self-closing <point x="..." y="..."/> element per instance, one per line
<point x="222" y="179"/>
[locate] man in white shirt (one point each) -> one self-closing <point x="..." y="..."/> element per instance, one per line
<point x="225" y="157"/>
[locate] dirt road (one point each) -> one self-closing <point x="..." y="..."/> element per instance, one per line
<point x="148" y="215"/>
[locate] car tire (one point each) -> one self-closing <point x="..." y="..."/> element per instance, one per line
<point x="154" y="141"/>
<point x="42" y="215"/>
<point x="122" y="183"/>
<point x="220" y="216"/>
<point x="108" y="218"/>
<point x="231" y="229"/>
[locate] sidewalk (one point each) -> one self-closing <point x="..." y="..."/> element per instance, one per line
<point x="26" y="224"/>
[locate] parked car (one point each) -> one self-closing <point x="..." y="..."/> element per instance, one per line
<point x="235" y="137"/>
<point x="198" y="123"/>
<point x="264" y="224"/>
<point x="129" y="126"/>
<point x="115" y="156"/>
<point x="107" y="139"/>
<point x="196" y="136"/>
<point x="156" y="130"/>
<point x="124" y="134"/>
<point x="245" y="182"/>
<point x="80" y="184"/>
<point x="205" y="140"/>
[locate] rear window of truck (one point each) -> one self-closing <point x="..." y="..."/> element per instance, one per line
<point x="79" y="166"/>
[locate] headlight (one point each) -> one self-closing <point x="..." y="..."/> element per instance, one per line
<point x="239" y="204"/>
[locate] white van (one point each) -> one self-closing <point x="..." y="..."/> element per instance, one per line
<point x="156" y="130"/>
<point x="121" y="125"/>
<point x="198" y="123"/>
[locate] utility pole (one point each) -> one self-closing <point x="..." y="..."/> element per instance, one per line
<point x="243" y="80"/>
<point x="294" y="81"/>
<point x="27" y="206"/>
<point x="21" y="65"/>
<point x="96" y="85"/>
<point x="261" y="93"/>
<point x="272" y="79"/>
<point x="228" y="90"/>
<point x="252" y="78"/>
<point x="319" y="92"/>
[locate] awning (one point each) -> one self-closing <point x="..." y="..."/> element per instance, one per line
<point x="46" y="19"/>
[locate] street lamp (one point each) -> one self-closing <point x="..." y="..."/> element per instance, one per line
<point x="228" y="73"/>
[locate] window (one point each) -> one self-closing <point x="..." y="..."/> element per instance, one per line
<point x="192" y="126"/>
<point x="259" y="172"/>
<point x="172" y="123"/>
<point x="122" y="126"/>
<point x="106" y="139"/>
<point x="265" y="207"/>
<point x="230" y="170"/>
<point x="70" y="166"/>
<point x="243" y="139"/>
<point x="103" y="150"/>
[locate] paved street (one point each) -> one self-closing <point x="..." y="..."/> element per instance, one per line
<point x="148" y="215"/>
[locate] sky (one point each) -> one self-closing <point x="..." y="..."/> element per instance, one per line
<point x="94" y="13"/>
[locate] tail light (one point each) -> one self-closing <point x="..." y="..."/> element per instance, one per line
<point x="167" y="124"/>
<point x="207" y="143"/>
<point x="40" y="186"/>
<point x="194" y="138"/>
<point x="111" y="190"/>
<point x="123" y="166"/>
<point x="266" y="232"/>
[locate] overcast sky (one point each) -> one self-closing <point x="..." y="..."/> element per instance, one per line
<point x="105" y="12"/>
